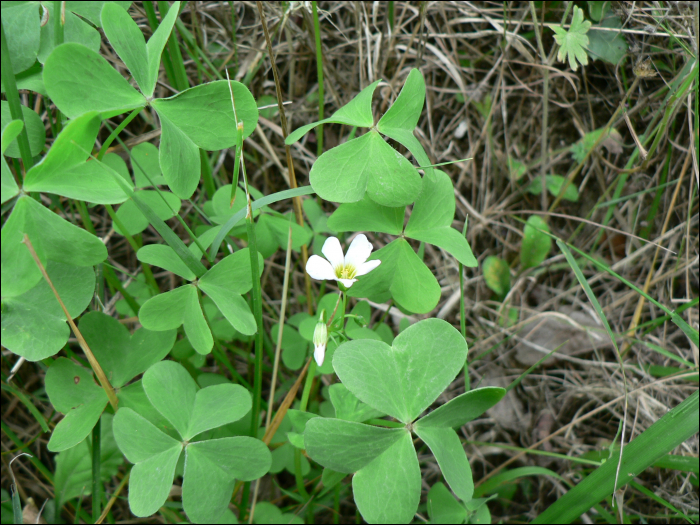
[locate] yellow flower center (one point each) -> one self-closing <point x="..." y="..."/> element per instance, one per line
<point x="345" y="272"/>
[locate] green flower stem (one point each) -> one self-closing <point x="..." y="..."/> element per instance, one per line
<point x="243" y="506"/>
<point x="298" y="476"/>
<point x="336" y="500"/>
<point x="307" y="386"/>
<point x="257" y="311"/>
<point x="297" y="453"/>
<point x="96" y="478"/>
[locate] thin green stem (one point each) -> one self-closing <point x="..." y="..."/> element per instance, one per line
<point x="59" y="19"/>
<point x="21" y="445"/>
<point x="181" y="82"/>
<point x="319" y="74"/>
<point x="233" y="39"/>
<point x="10" y="84"/>
<point x="462" y="316"/>
<point x="545" y="104"/>
<point x="96" y="478"/>
<point x="298" y="476"/>
<point x="257" y="311"/>
<point x="135" y="245"/>
<point x="308" y="381"/>
<point x="113" y="135"/>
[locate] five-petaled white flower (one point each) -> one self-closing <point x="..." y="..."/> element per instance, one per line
<point x="344" y="269"/>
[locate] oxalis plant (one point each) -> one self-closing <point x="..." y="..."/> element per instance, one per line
<point x="140" y="395"/>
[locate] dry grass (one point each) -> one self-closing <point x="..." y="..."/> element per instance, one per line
<point x="484" y="78"/>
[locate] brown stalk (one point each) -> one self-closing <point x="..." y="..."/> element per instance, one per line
<point x="290" y="164"/>
<point x="104" y="382"/>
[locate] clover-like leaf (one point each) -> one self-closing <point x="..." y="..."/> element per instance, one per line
<point x="8" y="186"/>
<point x="74" y="466"/>
<point x="401" y="274"/>
<point x="497" y="275"/>
<point x="573" y="43"/>
<point x="431" y="218"/>
<point x="175" y="394"/>
<point x="388" y="489"/>
<point x="406" y="109"/>
<point x="155" y="455"/>
<point x="402" y="380"/>
<point x="33" y="323"/>
<point x="554" y="184"/>
<point x="357" y="112"/>
<point x="536" y="243"/>
<point x="211" y="466"/>
<point x="72" y="389"/>
<point x="123" y="356"/>
<point x="64" y="171"/>
<point x="80" y="80"/>
<point x="367" y="215"/>
<point x="463" y="408"/>
<point x="223" y="283"/>
<point x="346" y="446"/>
<point x="35" y="130"/>
<point x="348" y="407"/>
<point x="143" y="60"/>
<point x="365" y="164"/>
<point x="211" y="469"/>
<point x="443" y="507"/>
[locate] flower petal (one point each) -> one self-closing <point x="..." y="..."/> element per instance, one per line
<point x="367" y="267"/>
<point x="319" y="354"/>
<point x="319" y="268"/>
<point x="333" y="252"/>
<point x="347" y="282"/>
<point x="359" y="251"/>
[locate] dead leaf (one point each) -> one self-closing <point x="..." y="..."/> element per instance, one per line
<point x="577" y="331"/>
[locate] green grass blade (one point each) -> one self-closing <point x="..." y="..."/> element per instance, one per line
<point x="268" y="199"/>
<point x="675" y="318"/>
<point x="661" y="501"/>
<point x="34" y="411"/>
<point x="492" y="484"/>
<point x="667" y="433"/>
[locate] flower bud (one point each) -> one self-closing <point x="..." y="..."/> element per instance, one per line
<point x="320" y="338"/>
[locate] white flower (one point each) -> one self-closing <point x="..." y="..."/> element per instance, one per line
<point x="320" y="339"/>
<point x="343" y="269"/>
